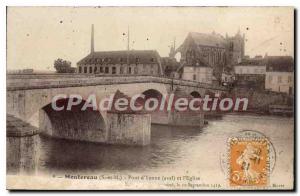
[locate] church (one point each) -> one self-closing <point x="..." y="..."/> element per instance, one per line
<point x="204" y="57"/>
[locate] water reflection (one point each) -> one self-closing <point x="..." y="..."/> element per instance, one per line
<point x="61" y="155"/>
<point x="172" y="148"/>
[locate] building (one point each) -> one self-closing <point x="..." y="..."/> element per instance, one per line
<point x="235" y="49"/>
<point x="136" y="62"/>
<point x="251" y="73"/>
<point x="201" y="74"/>
<point x="170" y="66"/>
<point x="228" y="79"/>
<point x="280" y="74"/>
<point x="211" y="50"/>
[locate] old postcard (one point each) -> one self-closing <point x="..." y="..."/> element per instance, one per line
<point x="150" y="98"/>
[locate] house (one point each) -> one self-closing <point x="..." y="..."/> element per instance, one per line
<point x="122" y="62"/>
<point x="280" y="74"/>
<point x="133" y="62"/>
<point x="251" y="73"/>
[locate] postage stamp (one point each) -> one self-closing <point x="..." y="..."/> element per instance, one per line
<point x="249" y="160"/>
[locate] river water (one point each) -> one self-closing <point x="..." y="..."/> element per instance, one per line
<point x="173" y="150"/>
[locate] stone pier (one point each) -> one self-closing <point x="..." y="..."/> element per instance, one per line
<point x="176" y="118"/>
<point x="112" y="127"/>
<point x="21" y="147"/>
<point x="128" y="127"/>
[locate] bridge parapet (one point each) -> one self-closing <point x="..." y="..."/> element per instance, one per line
<point x="44" y="81"/>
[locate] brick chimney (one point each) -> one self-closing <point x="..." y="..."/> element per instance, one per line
<point x="92" y="39"/>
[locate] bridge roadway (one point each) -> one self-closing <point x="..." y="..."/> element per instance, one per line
<point x="45" y="81"/>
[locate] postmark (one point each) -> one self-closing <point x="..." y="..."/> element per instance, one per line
<point x="248" y="162"/>
<point x="249" y="159"/>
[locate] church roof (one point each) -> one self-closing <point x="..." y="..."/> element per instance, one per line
<point x="117" y="57"/>
<point x="213" y="39"/>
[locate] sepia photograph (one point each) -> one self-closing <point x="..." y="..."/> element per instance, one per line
<point x="150" y="98"/>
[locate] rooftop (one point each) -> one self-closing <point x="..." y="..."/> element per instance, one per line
<point x="252" y="62"/>
<point x="280" y="63"/>
<point x="121" y="56"/>
<point x="213" y="39"/>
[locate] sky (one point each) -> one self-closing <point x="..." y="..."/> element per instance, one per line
<point x="36" y="36"/>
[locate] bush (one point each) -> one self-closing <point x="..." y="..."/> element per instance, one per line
<point x="63" y="66"/>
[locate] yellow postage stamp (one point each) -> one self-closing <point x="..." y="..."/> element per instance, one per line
<point x="249" y="162"/>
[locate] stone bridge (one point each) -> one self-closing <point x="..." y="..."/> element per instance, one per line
<point x="29" y="98"/>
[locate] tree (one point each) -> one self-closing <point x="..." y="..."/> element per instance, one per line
<point x="63" y="66"/>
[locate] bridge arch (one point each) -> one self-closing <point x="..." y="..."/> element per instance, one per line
<point x="157" y="116"/>
<point x="74" y="124"/>
<point x="195" y="94"/>
<point x="152" y="93"/>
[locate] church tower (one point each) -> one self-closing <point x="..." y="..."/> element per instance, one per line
<point x="235" y="49"/>
<point x="172" y="49"/>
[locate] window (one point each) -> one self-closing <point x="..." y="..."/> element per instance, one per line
<point x="279" y="79"/>
<point x="262" y="70"/>
<point x="80" y="70"/>
<point x="231" y="46"/>
<point x="152" y="59"/>
<point x="241" y="70"/>
<point x="135" y="70"/>
<point x="91" y="70"/>
<point x="101" y="69"/>
<point x="121" y="70"/>
<point x="113" y="70"/>
<point x="95" y="69"/>
<point x="85" y="69"/>
<point x="194" y="77"/>
<point x="270" y="79"/>
<point x="129" y="70"/>
<point x="121" y="60"/>
<point x="137" y="60"/>
<point x="106" y="70"/>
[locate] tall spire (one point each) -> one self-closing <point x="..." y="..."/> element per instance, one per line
<point x="92" y="39"/>
<point x="172" y="48"/>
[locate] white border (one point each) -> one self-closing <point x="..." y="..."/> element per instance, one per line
<point x="108" y="3"/>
